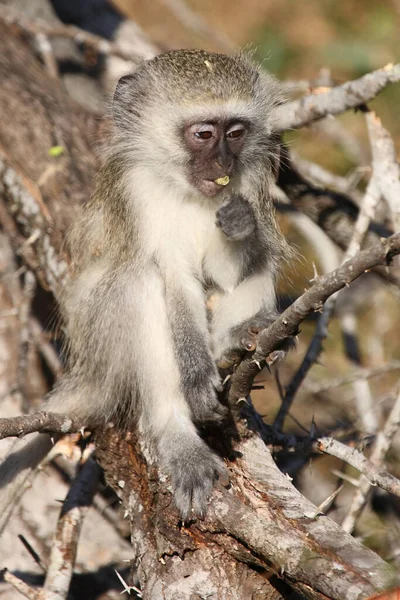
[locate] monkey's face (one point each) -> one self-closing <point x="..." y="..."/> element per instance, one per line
<point x="214" y="148"/>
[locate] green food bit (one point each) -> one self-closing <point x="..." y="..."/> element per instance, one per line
<point x="223" y="180"/>
<point x="55" y="151"/>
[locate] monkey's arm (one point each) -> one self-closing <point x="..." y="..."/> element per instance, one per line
<point x="239" y="315"/>
<point x="198" y="374"/>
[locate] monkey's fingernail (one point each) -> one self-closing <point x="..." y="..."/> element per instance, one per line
<point x="222" y="180"/>
<point x="255" y="330"/>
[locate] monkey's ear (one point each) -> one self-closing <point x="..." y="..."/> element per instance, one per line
<point x="125" y="98"/>
<point x="123" y="85"/>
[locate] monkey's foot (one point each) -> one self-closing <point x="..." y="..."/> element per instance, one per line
<point x="193" y="472"/>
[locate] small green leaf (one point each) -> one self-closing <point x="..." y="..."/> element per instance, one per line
<point x="56" y="151"/>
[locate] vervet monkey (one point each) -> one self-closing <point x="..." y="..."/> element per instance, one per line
<point x="182" y="211"/>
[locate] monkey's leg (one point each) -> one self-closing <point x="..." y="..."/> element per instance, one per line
<point x="165" y="413"/>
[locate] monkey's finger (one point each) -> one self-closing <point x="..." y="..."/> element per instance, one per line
<point x="249" y="344"/>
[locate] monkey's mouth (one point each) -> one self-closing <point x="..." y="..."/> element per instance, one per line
<point x="209" y="187"/>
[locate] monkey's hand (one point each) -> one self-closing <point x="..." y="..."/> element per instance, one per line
<point x="236" y="219"/>
<point x="244" y="338"/>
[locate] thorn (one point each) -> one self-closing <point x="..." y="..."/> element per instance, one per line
<point x="227" y="378"/>
<point x="128" y="588"/>
<point x="315" y="273"/>
<point x="243" y="399"/>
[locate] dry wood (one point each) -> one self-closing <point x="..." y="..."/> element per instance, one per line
<point x="65" y="543"/>
<point x="43" y="422"/>
<point x="333" y="101"/>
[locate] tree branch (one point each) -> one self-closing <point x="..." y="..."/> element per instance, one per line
<point x="65" y="543"/>
<point x="42" y="422"/>
<point x="333" y="101"/>
<point x="311" y="301"/>
<point x="145" y="49"/>
<point x="373" y="473"/>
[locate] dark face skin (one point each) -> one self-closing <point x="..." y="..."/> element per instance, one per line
<point x="214" y="148"/>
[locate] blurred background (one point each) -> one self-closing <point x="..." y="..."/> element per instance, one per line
<point x="308" y="44"/>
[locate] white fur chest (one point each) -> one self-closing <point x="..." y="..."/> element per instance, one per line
<point x="181" y="235"/>
<point x="176" y="231"/>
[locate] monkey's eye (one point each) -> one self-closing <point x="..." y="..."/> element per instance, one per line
<point x="203" y="135"/>
<point x="202" y="131"/>
<point x="236" y="132"/>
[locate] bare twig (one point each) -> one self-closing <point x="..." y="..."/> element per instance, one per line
<point x="24" y="311"/>
<point x="374" y="474"/>
<point x="65" y="543"/>
<point x="380" y="447"/>
<point x="25" y="199"/>
<point x="323" y="177"/>
<point x="42" y="422"/>
<point x="45" y="348"/>
<point x="22" y="587"/>
<point x="324" y="386"/>
<point x="10" y="16"/>
<point x="385" y="166"/>
<point x="47" y="55"/>
<point x="197" y="24"/>
<point x="332" y="101"/>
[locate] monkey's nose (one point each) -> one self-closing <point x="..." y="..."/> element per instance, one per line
<point x="224" y="165"/>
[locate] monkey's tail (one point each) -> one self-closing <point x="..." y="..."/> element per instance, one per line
<point x="18" y="469"/>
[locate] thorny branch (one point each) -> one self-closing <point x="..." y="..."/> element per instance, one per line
<point x="374" y="474"/>
<point x="323" y="386"/>
<point x="380" y="447"/>
<point x="23" y="588"/>
<point x="365" y="215"/>
<point x="285" y="326"/>
<point x="312" y="300"/>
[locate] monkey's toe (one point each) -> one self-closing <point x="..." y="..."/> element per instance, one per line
<point x="193" y="482"/>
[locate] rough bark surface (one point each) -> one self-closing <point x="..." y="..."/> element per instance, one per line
<point x="35" y="116"/>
